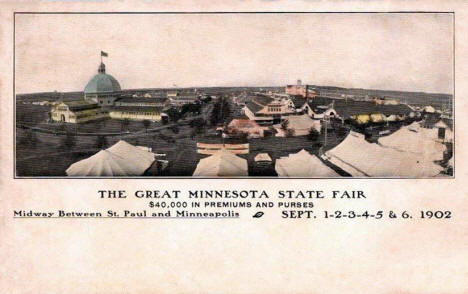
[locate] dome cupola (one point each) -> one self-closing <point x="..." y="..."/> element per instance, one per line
<point x="102" y="82"/>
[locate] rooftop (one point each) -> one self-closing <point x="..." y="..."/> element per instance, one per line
<point x="142" y="99"/>
<point x="80" y="105"/>
<point x="348" y="108"/>
<point x="102" y="82"/>
<point x="136" y="108"/>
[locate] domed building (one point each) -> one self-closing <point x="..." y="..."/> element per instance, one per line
<point x="103" y="98"/>
<point x="103" y="88"/>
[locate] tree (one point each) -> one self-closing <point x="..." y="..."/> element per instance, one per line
<point x="284" y="125"/>
<point x="191" y="108"/>
<point x="226" y="110"/>
<point x="313" y="134"/>
<point x="101" y="142"/>
<point x="198" y="122"/>
<point x="221" y="111"/>
<point x="207" y="99"/>
<point x="290" y="133"/>
<point x="174" y="114"/>
<point x="243" y="136"/>
<point x="146" y="123"/>
<point x="214" y="117"/>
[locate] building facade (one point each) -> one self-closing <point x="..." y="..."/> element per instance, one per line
<point x="136" y="113"/>
<point x="265" y="110"/>
<point x="77" y="112"/>
<point x="299" y="89"/>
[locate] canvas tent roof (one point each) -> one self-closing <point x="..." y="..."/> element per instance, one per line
<point x="144" y="99"/>
<point x="348" y="108"/>
<point x="254" y="107"/>
<point x="451" y="162"/>
<point x="122" y="159"/>
<point x="302" y="122"/>
<point x="360" y="158"/>
<point x="303" y="164"/>
<point x="80" y="105"/>
<point x="262" y="157"/>
<point x="429" y="109"/>
<point x="298" y="101"/>
<point x="415" y="139"/>
<point x="243" y="123"/>
<point x="444" y="123"/>
<point x="262" y="100"/>
<point x="221" y="164"/>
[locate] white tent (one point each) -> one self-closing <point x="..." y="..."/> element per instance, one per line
<point x="451" y="162"/>
<point x="303" y="164"/>
<point x="137" y="154"/>
<point x="415" y="139"/>
<point x="360" y="158"/>
<point x="301" y="124"/>
<point x="391" y="117"/>
<point x="262" y="157"/>
<point x="122" y="159"/>
<point x="223" y="163"/>
<point x="429" y="109"/>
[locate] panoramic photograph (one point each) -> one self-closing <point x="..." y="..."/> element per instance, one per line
<point x="207" y="95"/>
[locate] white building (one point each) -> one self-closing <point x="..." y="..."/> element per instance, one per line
<point x="266" y="110"/>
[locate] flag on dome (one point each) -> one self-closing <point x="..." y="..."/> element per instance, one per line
<point x="104" y="54"/>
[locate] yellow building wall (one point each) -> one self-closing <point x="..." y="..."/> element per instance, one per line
<point x="135" y="115"/>
<point x="362" y="118"/>
<point x="70" y="117"/>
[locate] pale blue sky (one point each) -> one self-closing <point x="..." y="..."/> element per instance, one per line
<point x="410" y="52"/>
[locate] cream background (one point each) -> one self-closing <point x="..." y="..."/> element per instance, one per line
<point x="268" y="255"/>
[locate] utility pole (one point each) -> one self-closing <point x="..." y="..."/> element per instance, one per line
<point x="326" y="129"/>
<point x="325" y="117"/>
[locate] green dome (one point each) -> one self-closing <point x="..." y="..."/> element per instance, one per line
<point x="102" y="82"/>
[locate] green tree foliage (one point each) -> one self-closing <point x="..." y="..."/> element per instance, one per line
<point x="206" y="99"/>
<point x="194" y="108"/>
<point x="198" y="122"/>
<point x="198" y="125"/>
<point x="221" y="111"/>
<point x="313" y="134"/>
<point x="174" y="114"/>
